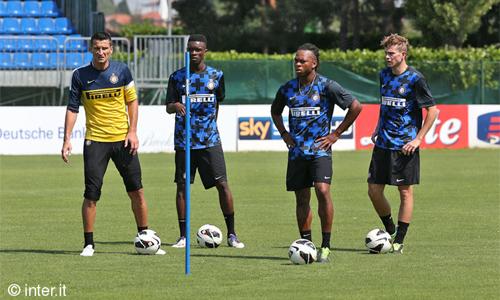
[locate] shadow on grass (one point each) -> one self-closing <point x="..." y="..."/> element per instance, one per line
<point x="39" y="251"/>
<point x="241" y="256"/>
<point x="333" y="249"/>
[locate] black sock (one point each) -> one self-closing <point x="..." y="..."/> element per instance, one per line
<point x="141" y="228"/>
<point x="389" y="224"/>
<point x="402" y="228"/>
<point x="182" y="227"/>
<point x="89" y="239"/>
<point x="306" y="235"/>
<point x="229" y="223"/>
<point x="326" y="240"/>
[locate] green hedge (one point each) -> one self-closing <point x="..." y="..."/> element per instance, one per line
<point x="464" y="67"/>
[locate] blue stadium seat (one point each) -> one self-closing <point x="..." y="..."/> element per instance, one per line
<point x="87" y="58"/>
<point x="63" y="26"/>
<point x="46" y="26"/>
<point x="32" y="9"/>
<point x="6" y="61"/>
<point x="60" y="41"/>
<point x="40" y="60"/>
<point x="73" y="60"/>
<point x="29" y="26"/>
<point x="76" y="45"/>
<point x="25" y="44"/>
<point x="14" y="9"/>
<point x="47" y="44"/>
<point x="21" y="60"/>
<point x="55" y="60"/>
<point x="3" y="9"/>
<point x="7" y="45"/>
<point x="49" y="9"/>
<point x="11" y="26"/>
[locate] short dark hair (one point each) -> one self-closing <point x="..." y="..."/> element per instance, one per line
<point x="100" y="36"/>
<point x="197" y="38"/>
<point x="313" y="48"/>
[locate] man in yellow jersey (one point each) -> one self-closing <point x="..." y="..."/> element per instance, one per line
<point x="106" y="90"/>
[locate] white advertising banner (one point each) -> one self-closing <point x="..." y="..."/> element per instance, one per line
<point x="256" y="130"/>
<point x="40" y="129"/>
<point x="484" y="126"/>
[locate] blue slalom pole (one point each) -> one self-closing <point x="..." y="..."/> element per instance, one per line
<point x="188" y="168"/>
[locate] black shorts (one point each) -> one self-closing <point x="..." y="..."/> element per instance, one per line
<point x="209" y="162"/>
<point x="96" y="156"/>
<point x="303" y="173"/>
<point x="394" y="168"/>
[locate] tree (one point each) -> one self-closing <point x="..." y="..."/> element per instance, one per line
<point x="448" y="22"/>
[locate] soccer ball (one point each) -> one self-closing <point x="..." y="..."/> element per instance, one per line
<point x="147" y="242"/>
<point x="209" y="236"/>
<point x="378" y="241"/>
<point x="302" y="252"/>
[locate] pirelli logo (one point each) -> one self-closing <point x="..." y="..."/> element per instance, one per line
<point x="301" y="112"/>
<point x="103" y="94"/>
<point x="395" y="102"/>
<point x="200" y="98"/>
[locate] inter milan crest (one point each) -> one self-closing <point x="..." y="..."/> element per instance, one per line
<point x="315" y="97"/>
<point x="113" y="78"/>
<point x="401" y="90"/>
<point x="211" y="84"/>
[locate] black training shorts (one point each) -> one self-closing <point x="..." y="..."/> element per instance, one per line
<point x="209" y="162"/>
<point x="303" y="173"/>
<point x="96" y="156"/>
<point x="394" y="168"/>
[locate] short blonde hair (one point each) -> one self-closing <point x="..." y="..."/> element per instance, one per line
<point x="395" y="39"/>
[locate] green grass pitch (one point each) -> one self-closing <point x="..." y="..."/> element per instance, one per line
<point x="452" y="250"/>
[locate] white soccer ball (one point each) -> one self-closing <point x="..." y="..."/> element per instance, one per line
<point x="302" y="252"/>
<point x="378" y="241"/>
<point x="147" y="242"/>
<point x="209" y="236"/>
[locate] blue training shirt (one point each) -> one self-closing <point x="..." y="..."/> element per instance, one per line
<point x="402" y="99"/>
<point x="206" y="91"/>
<point x="310" y="114"/>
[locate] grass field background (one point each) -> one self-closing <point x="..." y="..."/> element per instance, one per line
<point x="452" y="250"/>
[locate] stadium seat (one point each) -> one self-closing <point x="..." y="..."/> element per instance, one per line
<point x="40" y="60"/>
<point x="29" y="26"/>
<point x="73" y="60"/>
<point x="87" y="58"/>
<point x="47" y="43"/>
<point x="21" y="60"/>
<point x="32" y="9"/>
<point x="46" y="26"/>
<point x="25" y="44"/>
<point x="6" y="61"/>
<point x="55" y="60"/>
<point x="63" y="26"/>
<point x="3" y="9"/>
<point x="60" y="41"/>
<point x="14" y="9"/>
<point x="76" y="44"/>
<point x="7" y="45"/>
<point x="49" y="9"/>
<point x="11" y="26"/>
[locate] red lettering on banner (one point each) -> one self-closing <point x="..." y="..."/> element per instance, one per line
<point x="450" y="130"/>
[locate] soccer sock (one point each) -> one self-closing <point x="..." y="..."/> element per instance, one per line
<point x="402" y="228"/>
<point x="229" y="223"/>
<point x="182" y="227"/>
<point x="389" y="224"/>
<point x="141" y="228"/>
<point x="89" y="239"/>
<point x="326" y="240"/>
<point x="306" y="235"/>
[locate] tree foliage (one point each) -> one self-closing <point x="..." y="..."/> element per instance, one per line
<point x="448" y="22"/>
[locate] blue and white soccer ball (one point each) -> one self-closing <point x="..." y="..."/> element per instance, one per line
<point x="378" y="241"/>
<point x="147" y="242"/>
<point x="209" y="236"/>
<point x="302" y="252"/>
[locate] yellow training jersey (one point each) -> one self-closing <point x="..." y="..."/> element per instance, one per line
<point x="104" y="94"/>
